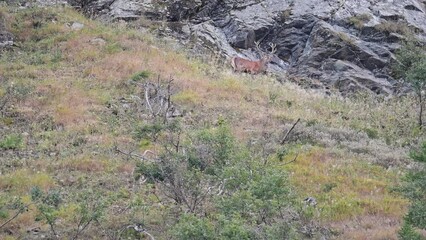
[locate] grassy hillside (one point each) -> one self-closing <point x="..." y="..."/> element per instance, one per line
<point x="83" y="154"/>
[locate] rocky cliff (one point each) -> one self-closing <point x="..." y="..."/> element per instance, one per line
<point x="339" y="44"/>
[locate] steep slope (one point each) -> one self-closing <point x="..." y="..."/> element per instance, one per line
<point x="79" y="135"/>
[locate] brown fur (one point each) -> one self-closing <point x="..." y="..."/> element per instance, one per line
<point x="253" y="67"/>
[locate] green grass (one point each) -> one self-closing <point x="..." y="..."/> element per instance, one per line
<point x="13" y="141"/>
<point x="346" y="187"/>
<point x="21" y="181"/>
<point x="186" y="97"/>
<point x="140" y="76"/>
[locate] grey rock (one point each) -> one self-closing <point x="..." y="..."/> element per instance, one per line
<point x="310" y="201"/>
<point x="36" y="3"/>
<point x="97" y="41"/>
<point x="76" y="26"/>
<point x="5" y="43"/>
<point x="6" y="38"/>
<point x="125" y="9"/>
<point x="96" y="7"/>
<point x="46" y="3"/>
<point x="341" y="60"/>
<point x="212" y="38"/>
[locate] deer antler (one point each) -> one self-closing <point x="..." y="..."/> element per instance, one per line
<point x="273" y="47"/>
<point x="257" y="43"/>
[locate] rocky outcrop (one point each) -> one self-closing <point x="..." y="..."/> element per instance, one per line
<point x="6" y="38"/>
<point x="344" y="44"/>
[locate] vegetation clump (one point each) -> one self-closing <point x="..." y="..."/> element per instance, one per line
<point x="415" y="190"/>
<point x="359" y="20"/>
<point x="394" y="27"/>
<point x="13" y="141"/>
<point x="140" y="76"/>
<point x="411" y="67"/>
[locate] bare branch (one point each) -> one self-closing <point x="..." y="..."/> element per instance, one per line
<point x="149" y="234"/>
<point x="294" y="160"/>
<point x="147" y="100"/>
<point x="21" y="210"/>
<point x="138" y="228"/>
<point x="132" y="155"/>
<point x="289" y="131"/>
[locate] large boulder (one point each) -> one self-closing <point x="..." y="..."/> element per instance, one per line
<point x="339" y="59"/>
<point x="6" y="38"/>
<point x="347" y="45"/>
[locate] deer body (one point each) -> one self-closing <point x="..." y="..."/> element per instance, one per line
<point x="244" y="65"/>
<point x="253" y="67"/>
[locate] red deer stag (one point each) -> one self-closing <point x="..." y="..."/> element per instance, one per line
<point x="254" y="67"/>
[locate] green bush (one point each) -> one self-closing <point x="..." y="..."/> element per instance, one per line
<point x="149" y="131"/>
<point x="47" y="206"/>
<point x="151" y="170"/>
<point x="417" y="214"/>
<point x="328" y="187"/>
<point x="191" y="227"/>
<point x="415" y="190"/>
<point x="419" y="156"/>
<point x="13" y="141"/>
<point x="372" y="133"/>
<point x="140" y="76"/>
<point x="281" y="230"/>
<point x="257" y="195"/>
<point x="411" y="67"/>
<point x="207" y="164"/>
<point x="408" y="233"/>
<point x="234" y="229"/>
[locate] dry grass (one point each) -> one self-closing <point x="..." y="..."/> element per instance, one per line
<point x="80" y="50"/>
<point x="359" y="20"/>
<point x="186" y="97"/>
<point x="116" y="68"/>
<point x="369" y="227"/>
<point x="394" y="27"/>
<point x="86" y="165"/>
<point x="353" y="196"/>
<point x="72" y="108"/>
<point x="21" y="181"/>
<point x="126" y="168"/>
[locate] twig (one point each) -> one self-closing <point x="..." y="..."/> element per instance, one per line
<point x="147" y="233"/>
<point x="52" y="226"/>
<point x="21" y="210"/>
<point x="294" y="160"/>
<point x="134" y="155"/>
<point x="147" y="100"/>
<point x="289" y="131"/>
<point x="105" y="231"/>
<point x="138" y="228"/>
<point x="81" y="227"/>
<point x="168" y="96"/>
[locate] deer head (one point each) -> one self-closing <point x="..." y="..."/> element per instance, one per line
<point x="266" y="57"/>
